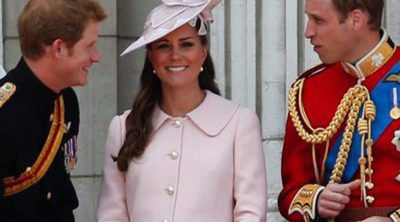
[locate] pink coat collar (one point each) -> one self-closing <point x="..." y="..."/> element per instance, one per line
<point x="213" y="114"/>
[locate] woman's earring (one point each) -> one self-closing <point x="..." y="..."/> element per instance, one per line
<point x="154" y="71"/>
<point x="201" y="69"/>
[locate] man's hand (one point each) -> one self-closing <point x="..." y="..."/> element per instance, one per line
<point x="377" y="219"/>
<point x="334" y="197"/>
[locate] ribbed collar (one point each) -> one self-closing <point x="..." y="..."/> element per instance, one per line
<point x="211" y="116"/>
<point x="374" y="60"/>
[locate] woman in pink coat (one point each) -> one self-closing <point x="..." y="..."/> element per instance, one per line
<point x="182" y="153"/>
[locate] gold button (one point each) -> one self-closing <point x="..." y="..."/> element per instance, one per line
<point x="370" y="199"/>
<point x="369" y="171"/>
<point x="170" y="190"/>
<point x="173" y="155"/>
<point x="369" y="185"/>
<point x="28" y="169"/>
<point x="397" y="178"/>
<point x="48" y="195"/>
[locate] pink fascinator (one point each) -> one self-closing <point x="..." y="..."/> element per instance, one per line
<point x="172" y="14"/>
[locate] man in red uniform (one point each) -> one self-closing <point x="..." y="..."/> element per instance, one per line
<point x="341" y="156"/>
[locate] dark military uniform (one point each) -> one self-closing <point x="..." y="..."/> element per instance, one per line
<point x="25" y="124"/>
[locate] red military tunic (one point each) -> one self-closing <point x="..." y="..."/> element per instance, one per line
<point x="322" y="93"/>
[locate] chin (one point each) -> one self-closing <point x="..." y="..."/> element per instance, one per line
<point x="326" y="60"/>
<point x="81" y="82"/>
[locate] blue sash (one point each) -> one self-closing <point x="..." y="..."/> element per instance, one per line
<point x="383" y="104"/>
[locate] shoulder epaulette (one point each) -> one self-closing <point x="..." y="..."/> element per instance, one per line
<point x="312" y="71"/>
<point x="6" y="91"/>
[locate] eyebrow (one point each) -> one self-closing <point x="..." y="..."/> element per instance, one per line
<point x="314" y="16"/>
<point x="181" y="39"/>
<point x="186" y="38"/>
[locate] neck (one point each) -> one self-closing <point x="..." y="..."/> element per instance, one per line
<point x="42" y="69"/>
<point x="366" y="43"/>
<point x="179" y="102"/>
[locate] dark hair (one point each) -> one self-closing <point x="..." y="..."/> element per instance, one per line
<point x="43" y="21"/>
<point x="374" y="8"/>
<point x="138" y="124"/>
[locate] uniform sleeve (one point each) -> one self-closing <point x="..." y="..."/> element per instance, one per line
<point x="297" y="170"/>
<point x="250" y="188"/>
<point x="395" y="215"/>
<point x="112" y="197"/>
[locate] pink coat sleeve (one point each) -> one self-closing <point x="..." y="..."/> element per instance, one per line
<point x="250" y="188"/>
<point x="112" y="197"/>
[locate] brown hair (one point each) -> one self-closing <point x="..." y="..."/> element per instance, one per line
<point x="43" y="21"/>
<point x="374" y="8"/>
<point x="138" y="123"/>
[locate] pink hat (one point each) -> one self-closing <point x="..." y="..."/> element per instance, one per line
<point x="171" y="15"/>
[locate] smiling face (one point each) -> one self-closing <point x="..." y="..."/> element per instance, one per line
<point x="333" y="40"/>
<point x="81" y="56"/>
<point x="177" y="58"/>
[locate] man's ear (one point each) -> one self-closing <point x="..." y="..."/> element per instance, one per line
<point x="59" y="48"/>
<point x="358" y="19"/>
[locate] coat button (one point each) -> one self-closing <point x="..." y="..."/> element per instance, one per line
<point x="48" y="195"/>
<point x="28" y="169"/>
<point x="177" y="123"/>
<point x="173" y="155"/>
<point x="170" y="190"/>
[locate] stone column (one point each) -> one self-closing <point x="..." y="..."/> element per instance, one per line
<point x="2" y="72"/>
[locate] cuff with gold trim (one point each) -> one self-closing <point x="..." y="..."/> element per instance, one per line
<point x="305" y="201"/>
<point x="395" y="215"/>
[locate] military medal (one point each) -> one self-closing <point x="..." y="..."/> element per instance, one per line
<point x="395" y="111"/>
<point x="396" y="140"/>
<point x="70" y="149"/>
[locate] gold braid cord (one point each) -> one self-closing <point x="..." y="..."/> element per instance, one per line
<point x="323" y="134"/>
<point x="341" y="160"/>
<point x="349" y="107"/>
<point x="352" y="100"/>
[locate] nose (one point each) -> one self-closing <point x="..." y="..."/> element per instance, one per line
<point x="95" y="55"/>
<point x="309" y="32"/>
<point x="175" y="53"/>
